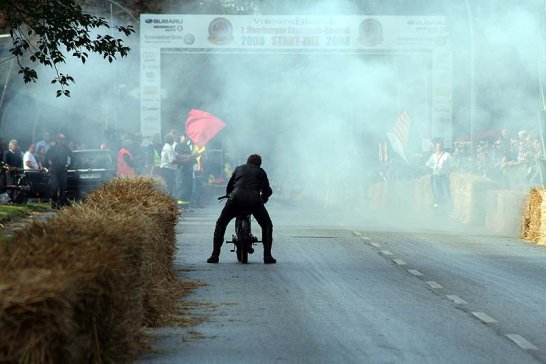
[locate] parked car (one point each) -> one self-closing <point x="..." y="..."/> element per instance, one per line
<point x="87" y="170"/>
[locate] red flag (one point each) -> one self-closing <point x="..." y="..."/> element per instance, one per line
<point x="202" y="127"/>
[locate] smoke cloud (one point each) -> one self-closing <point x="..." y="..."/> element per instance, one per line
<point x="317" y="119"/>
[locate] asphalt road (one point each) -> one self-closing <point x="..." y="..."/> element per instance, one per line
<point x="343" y="291"/>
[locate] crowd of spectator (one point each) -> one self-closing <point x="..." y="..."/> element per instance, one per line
<point x="513" y="161"/>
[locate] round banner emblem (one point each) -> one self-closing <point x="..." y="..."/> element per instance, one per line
<point x="220" y="31"/>
<point x="371" y="32"/>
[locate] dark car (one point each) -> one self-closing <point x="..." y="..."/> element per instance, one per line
<point x="88" y="169"/>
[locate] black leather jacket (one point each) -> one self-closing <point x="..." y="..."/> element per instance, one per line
<point x="249" y="185"/>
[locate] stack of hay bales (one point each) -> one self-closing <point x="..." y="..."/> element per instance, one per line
<point x="423" y="194"/>
<point x="503" y="210"/>
<point x="533" y="221"/>
<point x="140" y="194"/>
<point x="78" y="288"/>
<point x="392" y="195"/>
<point x="467" y="193"/>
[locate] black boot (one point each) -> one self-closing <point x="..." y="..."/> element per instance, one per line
<point x="269" y="259"/>
<point x="267" y="240"/>
<point x="216" y="246"/>
<point x="213" y="258"/>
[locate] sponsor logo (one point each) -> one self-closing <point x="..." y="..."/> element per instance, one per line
<point x="189" y="39"/>
<point x="371" y="32"/>
<point x="164" y="21"/>
<point x="220" y="31"/>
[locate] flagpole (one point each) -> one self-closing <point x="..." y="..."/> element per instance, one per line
<point x="472" y="86"/>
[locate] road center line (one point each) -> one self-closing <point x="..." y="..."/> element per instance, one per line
<point x="386" y="252"/>
<point x="521" y="342"/>
<point x="365" y="238"/>
<point x="377" y="245"/>
<point x="399" y="261"/>
<point x="434" y="284"/>
<point x="415" y="272"/>
<point x="456" y="299"/>
<point x="485" y="318"/>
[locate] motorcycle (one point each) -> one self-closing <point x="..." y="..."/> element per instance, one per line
<point x="243" y="240"/>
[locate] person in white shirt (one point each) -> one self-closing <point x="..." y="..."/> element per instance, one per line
<point x="168" y="164"/>
<point x="440" y="163"/>
<point x="45" y="142"/>
<point x="29" y="161"/>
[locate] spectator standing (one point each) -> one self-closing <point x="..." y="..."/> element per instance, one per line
<point x="440" y="163"/>
<point x="153" y="156"/>
<point x="13" y="157"/>
<point x="187" y="160"/>
<point x="125" y="160"/>
<point x="168" y="164"/>
<point x="1" y="149"/>
<point x="29" y="160"/>
<point x="198" y="175"/>
<point x="40" y="156"/>
<point x="521" y="146"/>
<point x="45" y="142"/>
<point x="57" y="160"/>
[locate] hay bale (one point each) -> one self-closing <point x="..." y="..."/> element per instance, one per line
<point x="525" y="218"/>
<point x="534" y="221"/>
<point x="103" y="255"/>
<point x="377" y="193"/>
<point x="503" y="208"/>
<point x="141" y="193"/>
<point x="467" y="193"/>
<point x="36" y="317"/>
<point x="423" y="194"/>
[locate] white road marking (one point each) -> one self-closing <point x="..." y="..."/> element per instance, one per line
<point x="357" y="233"/>
<point x="415" y="272"/>
<point x="521" y="342"/>
<point x="377" y="245"/>
<point x="434" y="284"/>
<point x="364" y="238"/>
<point x="456" y="299"/>
<point x="386" y="252"/>
<point x="399" y="261"/>
<point x="485" y="318"/>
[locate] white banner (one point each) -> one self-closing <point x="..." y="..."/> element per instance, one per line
<point x="289" y="32"/>
<point x="271" y="33"/>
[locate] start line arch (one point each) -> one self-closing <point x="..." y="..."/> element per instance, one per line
<point x="245" y="34"/>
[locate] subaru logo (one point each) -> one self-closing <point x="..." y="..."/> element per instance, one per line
<point x="148" y="21"/>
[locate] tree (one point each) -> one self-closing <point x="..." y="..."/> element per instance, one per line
<point x="47" y="31"/>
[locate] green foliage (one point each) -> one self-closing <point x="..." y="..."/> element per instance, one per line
<point x="9" y="212"/>
<point x="46" y="31"/>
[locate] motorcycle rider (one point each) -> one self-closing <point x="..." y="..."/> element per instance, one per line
<point x="247" y="189"/>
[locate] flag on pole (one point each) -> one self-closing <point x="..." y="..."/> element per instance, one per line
<point x="202" y="127"/>
<point x="399" y="135"/>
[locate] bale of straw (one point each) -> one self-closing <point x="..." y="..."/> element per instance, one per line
<point x="104" y="255"/>
<point x="141" y="193"/>
<point x="37" y="317"/>
<point x="377" y="193"/>
<point x="467" y="193"/>
<point x="503" y="208"/>
<point x="525" y="218"/>
<point x="423" y="194"/>
<point x="534" y="228"/>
